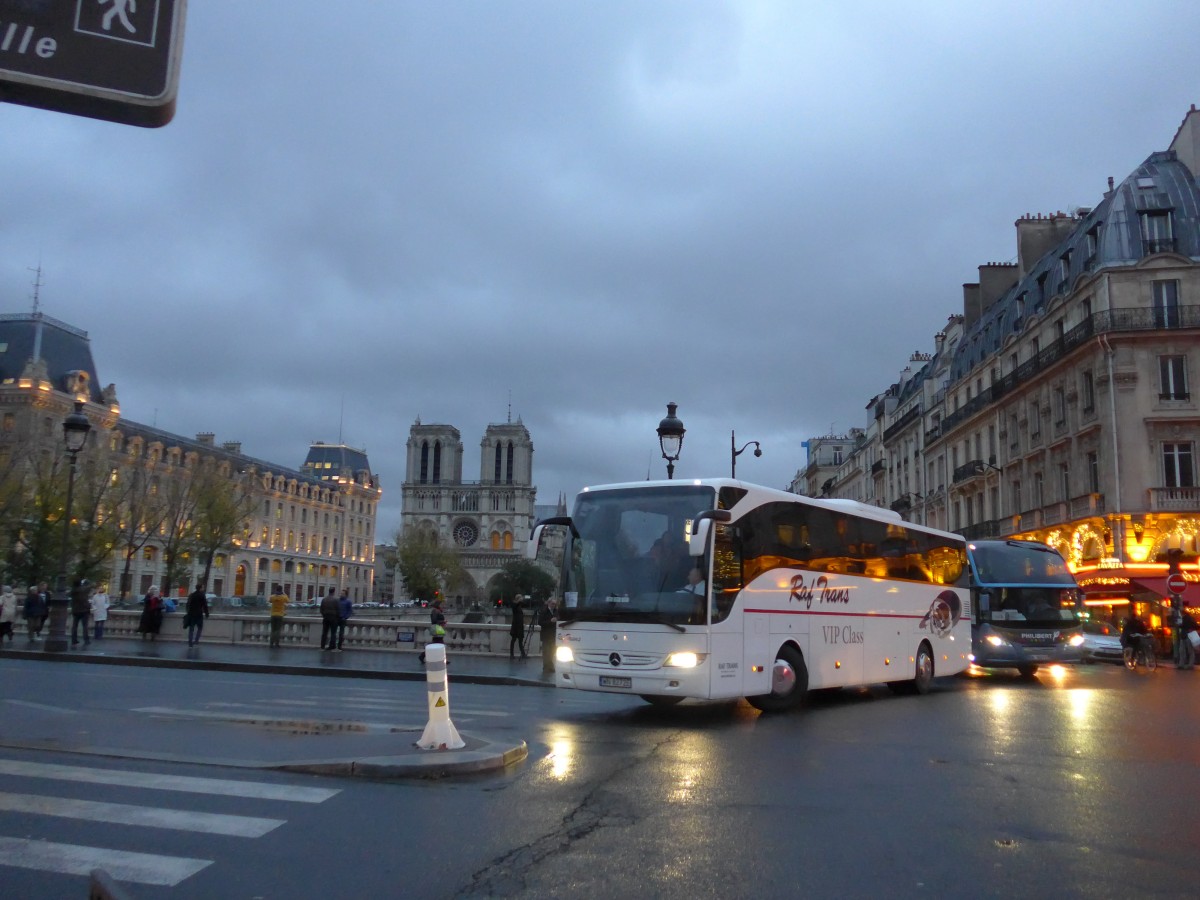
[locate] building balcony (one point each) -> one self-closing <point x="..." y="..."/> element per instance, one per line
<point x="981" y="531"/>
<point x="1177" y="499"/>
<point x="970" y="469"/>
<point x="1158" y="245"/>
<point x="1087" y="505"/>
<point x="878" y="467"/>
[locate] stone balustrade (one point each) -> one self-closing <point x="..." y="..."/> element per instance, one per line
<point x="362" y="633"/>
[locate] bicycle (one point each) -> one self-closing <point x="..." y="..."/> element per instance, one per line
<point x="1141" y="652"/>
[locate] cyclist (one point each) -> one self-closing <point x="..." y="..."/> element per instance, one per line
<point x="1134" y="633"/>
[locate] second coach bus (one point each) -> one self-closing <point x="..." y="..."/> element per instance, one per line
<point x="720" y="589"/>
<point x="1027" y="606"/>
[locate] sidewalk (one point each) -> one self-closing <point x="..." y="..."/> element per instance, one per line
<point x="335" y="747"/>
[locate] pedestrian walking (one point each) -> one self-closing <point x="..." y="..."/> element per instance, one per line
<point x="8" y="613"/>
<point x="37" y="604"/>
<point x="279" y="602"/>
<point x="345" y="611"/>
<point x="81" y="609"/>
<point x="150" y="622"/>
<point x="437" y="625"/>
<point x="100" y="606"/>
<point x="331" y="617"/>
<point x="516" y="631"/>
<point x="195" y="613"/>
<point x="1187" y="650"/>
<point x="547" y="619"/>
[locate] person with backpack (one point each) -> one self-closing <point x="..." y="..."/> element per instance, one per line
<point x="437" y="625"/>
<point x="345" y="611"/>
<point x="331" y="618"/>
<point x="516" y="631"/>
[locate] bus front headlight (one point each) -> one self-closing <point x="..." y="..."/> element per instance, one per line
<point x="996" y="641"/>
<point x="563" y="654"/>
<point x="684" y="659"/>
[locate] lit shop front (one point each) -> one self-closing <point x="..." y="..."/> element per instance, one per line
<point x="1110" y="591"/>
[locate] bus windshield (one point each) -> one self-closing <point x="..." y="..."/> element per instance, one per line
<point x="630" y="560"/>
<point x="1024" y="583"/>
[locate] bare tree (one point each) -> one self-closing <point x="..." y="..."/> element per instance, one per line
<point x="224" y="503"/>
<point x="141" y="515"/>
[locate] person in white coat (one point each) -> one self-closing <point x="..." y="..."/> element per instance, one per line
<point x="100" y="606"/>
<point x="8" y="613"/>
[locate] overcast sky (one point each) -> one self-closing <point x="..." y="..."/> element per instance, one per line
<point x="368" y="212"/>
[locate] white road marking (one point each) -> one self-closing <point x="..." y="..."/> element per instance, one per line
<point x="42" y="706"/>
<point x="153" y="817"/>
<point x="183" y="783"/>
<point x="71" y="859"/>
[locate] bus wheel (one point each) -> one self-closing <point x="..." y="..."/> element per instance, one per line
<point x="923" y="677"/>
<point x="789" y="682"/>
<point x="655" y="700"/>
<point x="1027" y="671"/>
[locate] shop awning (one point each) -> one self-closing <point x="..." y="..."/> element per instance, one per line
<point x="1124" y="581"/>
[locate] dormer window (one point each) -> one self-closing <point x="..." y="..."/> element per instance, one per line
<point x="1157" y="232"/>
<point x="1064" y="272"/>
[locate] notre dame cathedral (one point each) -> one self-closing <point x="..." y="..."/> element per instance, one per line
<point x="488" y="520"/>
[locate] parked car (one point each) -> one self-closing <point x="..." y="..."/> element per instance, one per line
<point x="1101" y="642"/>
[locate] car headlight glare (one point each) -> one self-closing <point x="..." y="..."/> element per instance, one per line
<point x="684" y="659"/>
<point x="1076" y="640"/>
<point x="563" y="654"/>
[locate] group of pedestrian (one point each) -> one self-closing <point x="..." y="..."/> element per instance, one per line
<point x="335" y="613"/>
<point x="547" y="622"/>
<point x="89" y="611"/>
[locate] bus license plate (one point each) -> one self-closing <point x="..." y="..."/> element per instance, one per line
<point x="615" y="681"/>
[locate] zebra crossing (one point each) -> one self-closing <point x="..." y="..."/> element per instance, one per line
<point x="123" y="864"/>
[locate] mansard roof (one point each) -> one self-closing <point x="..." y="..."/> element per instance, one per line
<point x="63" y="348"/>
<point x="339" y="458"/>
<point x="1162" y="183"/>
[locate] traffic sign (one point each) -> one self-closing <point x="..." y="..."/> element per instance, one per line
<point x="108" y="59"/>
<point x="1176" y="583"/>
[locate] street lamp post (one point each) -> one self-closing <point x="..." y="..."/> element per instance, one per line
<point x="734" y="453"/>
<point x="75" y="431"/>
<point x="670" y="438"/>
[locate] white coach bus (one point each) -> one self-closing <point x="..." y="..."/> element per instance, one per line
<point x="719" y="589"/>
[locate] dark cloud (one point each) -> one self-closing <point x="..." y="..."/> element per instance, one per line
<point x="571" y="213"/>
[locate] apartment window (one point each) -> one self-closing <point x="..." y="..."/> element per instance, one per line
<point x="1172" y="378"/>
<point x="1178" y="468"/>
<point x="1016" y="496"/>
<point x="1013" y="440"/>
<point x="1012" y="363"/>
<point x="1157" y="234"/>
<point x="1085" y="309"/>
<point x="1060" y="407"/>
<point x="1064" y="481"/>
<point x="1093" y="472"/>
<point x="1088" y="392"/>
<point x="279" y="511"/>
<point x="1035" y="420"/>
<point x="1091" y="245"/>
<point x="1166" y="304"/>
<point x="1038" y="500"/>
<point x="1064" y="272"/>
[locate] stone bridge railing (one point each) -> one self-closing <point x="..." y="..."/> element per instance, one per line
<point x="363" y="633"/>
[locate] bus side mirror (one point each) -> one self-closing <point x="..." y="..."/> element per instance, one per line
<point x="535" y="541"/>
<point x="702" y="528"/>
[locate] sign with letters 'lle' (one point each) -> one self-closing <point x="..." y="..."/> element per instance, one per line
<point x="108" y="59"/>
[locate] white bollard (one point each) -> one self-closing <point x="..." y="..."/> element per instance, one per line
<point x="440" y="733"/>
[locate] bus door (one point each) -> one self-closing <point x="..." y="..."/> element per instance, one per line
<point x="727" y="654"/>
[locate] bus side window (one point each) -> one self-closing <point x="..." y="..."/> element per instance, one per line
<point x="727" y="560"/>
